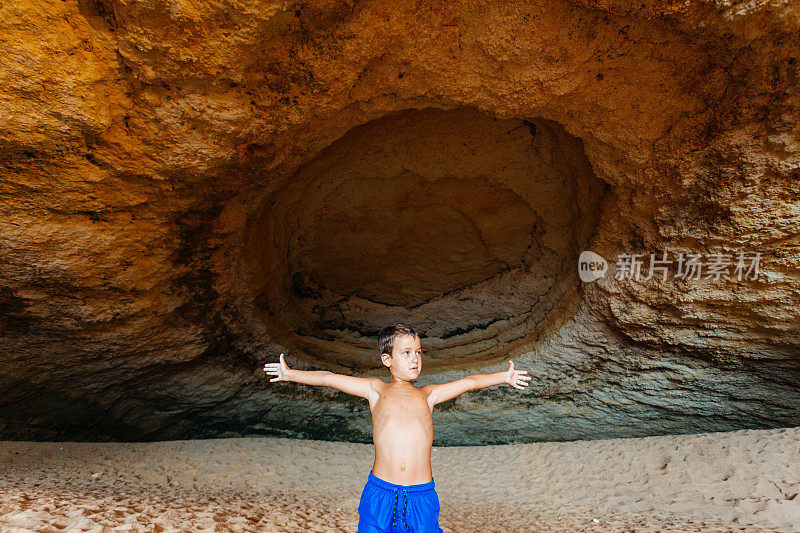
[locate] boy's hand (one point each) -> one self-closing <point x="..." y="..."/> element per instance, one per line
<point x="278" y="369"/>
<point x="515" y="378"/>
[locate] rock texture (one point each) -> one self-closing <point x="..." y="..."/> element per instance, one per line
<point x="187" y="190"/>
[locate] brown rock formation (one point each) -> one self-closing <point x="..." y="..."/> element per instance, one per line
<point x="187" y="190"/>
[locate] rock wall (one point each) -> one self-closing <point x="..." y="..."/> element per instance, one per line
<point x="187" y="190"/>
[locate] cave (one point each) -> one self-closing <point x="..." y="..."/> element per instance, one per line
<point x="187" y="191"/>
<point x="472" y="241"/>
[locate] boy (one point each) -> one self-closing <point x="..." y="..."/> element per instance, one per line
<point x="402" y="429"/>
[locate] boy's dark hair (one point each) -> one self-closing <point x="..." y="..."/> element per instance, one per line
<point x="387" y="335"/>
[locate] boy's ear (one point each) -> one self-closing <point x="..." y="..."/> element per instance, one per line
<point x="386" y="359"/>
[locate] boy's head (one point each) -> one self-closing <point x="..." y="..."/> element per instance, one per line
<point x="401" y="352"/>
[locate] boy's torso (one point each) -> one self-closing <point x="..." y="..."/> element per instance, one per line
<point x="402" y="430"/>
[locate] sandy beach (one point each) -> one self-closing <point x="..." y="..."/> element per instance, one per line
<point x="737" y="481"/>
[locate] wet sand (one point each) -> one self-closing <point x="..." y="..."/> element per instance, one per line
<point x="736" y="481"/>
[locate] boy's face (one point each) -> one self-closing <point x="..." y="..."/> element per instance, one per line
<point x="406" y="359"/>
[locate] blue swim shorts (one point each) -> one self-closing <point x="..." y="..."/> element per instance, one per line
<point x="388" y="508"/>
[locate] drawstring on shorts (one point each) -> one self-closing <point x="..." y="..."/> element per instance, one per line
<point x="403" y="516"/>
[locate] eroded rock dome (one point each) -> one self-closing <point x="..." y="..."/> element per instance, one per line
<point x="466" y="226"/>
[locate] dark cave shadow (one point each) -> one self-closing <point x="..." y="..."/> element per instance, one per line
<point x="31" y="412"/>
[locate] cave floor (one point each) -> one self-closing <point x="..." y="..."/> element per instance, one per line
<point x="733" y="481"/>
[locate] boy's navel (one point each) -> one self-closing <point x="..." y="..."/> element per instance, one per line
<point x="402" y="466"/>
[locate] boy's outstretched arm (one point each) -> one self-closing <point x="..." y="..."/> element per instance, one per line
<point x="361" y="387"/>
<point x="447" y="391"/>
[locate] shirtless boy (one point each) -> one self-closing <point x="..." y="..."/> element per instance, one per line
<point x="399" y="494"/>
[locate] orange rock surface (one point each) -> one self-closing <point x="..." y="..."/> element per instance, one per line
<point x="188" y="189"/>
